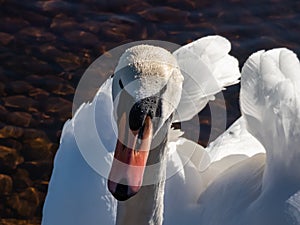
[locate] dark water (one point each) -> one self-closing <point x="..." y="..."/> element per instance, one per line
<point x="45" y="46"/>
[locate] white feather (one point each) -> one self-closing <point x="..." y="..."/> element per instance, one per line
<point x="207" y="68"/>
<point x="236" y="140"/>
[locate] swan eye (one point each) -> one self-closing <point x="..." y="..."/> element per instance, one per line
<point x="121" y="84"/>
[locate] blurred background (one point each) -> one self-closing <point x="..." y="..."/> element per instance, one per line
<point x="45" y="47"/>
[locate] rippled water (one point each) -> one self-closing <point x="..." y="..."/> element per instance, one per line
<point x="45" y="46"/>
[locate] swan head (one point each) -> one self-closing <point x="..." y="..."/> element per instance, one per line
<point x="146" y="90"/>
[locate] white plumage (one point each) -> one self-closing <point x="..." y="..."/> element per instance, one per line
<point x="263" y="189"/>
<point x="226" y="184"/>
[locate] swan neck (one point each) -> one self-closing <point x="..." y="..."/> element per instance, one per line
<point x="146" y="207"/>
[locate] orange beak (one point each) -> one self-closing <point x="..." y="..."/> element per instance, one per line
<point x="127" y="171"/>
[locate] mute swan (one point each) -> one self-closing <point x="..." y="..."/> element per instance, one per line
<point x="151" y="77"/>
<point x="260" y="190"/>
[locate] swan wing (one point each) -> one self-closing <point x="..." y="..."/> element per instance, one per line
<point x="236" y="140"/>
<point x="207" y="68"/>
<point x="232" y="193"/>
<point x="78" y="192"/>
<point x="270" y="101"/>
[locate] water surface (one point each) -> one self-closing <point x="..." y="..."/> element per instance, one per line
<point x="45" y="46"/>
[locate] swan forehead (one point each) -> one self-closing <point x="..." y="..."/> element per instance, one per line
<point x="149" y="60"/>
<point x="149" y="70"/>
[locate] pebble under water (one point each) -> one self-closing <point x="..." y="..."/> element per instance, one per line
<point x="45" y="47"/>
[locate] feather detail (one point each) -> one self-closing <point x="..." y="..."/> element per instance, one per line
<point x="270" y="103"/>
<point x="207" y="68"/>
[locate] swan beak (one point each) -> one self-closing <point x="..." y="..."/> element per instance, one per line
<point x="130" y="159"/>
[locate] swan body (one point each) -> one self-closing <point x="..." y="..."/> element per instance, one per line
<point x="247" y="176"/>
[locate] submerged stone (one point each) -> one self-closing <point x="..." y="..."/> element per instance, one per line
<point x="6" y="185"/>
<point x="9" y="158"/>
<point x="25" y="203"/>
